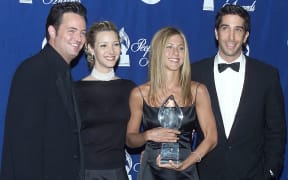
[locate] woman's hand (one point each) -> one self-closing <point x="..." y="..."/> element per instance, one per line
<point x="171" y="165"/>
<point x="162" y="135"/>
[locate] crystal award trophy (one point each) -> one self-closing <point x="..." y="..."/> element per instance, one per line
<point x="170" y="116"/>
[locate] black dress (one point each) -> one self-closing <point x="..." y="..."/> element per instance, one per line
<point x="149" y="169"/>
<point x="104" y="110"/>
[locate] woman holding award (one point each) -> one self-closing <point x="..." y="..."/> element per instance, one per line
<point x="103" y="100"/>
<point x="167" y="106"/>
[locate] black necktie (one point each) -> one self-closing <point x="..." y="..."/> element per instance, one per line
<point x="235" y="66"/>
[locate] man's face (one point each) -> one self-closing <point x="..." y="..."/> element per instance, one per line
<point x="69" y="39"/>
<point x="231" y="36"/>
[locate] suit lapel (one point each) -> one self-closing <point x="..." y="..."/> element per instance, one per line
<point x="64" y="89"/>
<point x="243" y="98"/>
<point x="214" y="100"/>
<point x="67" y="94"/>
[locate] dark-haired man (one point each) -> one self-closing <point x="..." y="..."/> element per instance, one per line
<point x="41" y="139"/>
<point x="248" y="105"/>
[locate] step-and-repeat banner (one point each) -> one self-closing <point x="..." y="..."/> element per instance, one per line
<point x="23" y="30"/>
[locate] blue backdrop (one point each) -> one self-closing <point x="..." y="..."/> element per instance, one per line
<point x="22" y="34"/>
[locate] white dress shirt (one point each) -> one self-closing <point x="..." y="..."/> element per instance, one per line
<point x="229" y="85"/>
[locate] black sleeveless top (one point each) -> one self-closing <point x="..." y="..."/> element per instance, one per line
<point x="148" y="168"/>
<point x="104" y="110"/>
<point x="150" y="121"/>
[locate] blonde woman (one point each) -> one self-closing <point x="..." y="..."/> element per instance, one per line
<point x="169" y="74"/>
<point x="103" y="100"/>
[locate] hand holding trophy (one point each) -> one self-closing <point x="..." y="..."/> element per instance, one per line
<point x="170" y="116"/>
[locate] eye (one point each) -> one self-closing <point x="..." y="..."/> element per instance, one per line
<point x="117" y="44"/>
<point x="71" y="30"/>
<point x="240" y="29"/>
<point x="102" y="45"/>
<point x="223" y="28"/>
<point x="169" y="47"/>
<point x="181" y="48"/>
<point x="83" y="33"/>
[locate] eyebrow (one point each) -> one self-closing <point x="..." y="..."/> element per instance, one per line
<point x="106" y="41"/>
<point x="221" y="25"/>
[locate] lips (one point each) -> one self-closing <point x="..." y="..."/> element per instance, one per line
<point x="110" y="58"/>
<point x="176" y="60"/>
<point x="231" y="45"/>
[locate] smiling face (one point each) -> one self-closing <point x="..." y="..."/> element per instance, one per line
<point x="69" y="38"/>
<point x="174" y="53"/>
<point x="231" y="36"/>
<point x="106" y="50"/>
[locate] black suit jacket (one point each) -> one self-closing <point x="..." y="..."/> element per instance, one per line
<point x="257" y="139"/>
<point x="41" y="139"/>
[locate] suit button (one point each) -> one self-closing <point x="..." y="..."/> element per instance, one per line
<point x="75" y="156"/>
<point x="229" y="147"/>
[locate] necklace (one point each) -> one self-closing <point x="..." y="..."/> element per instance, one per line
<point x="103" y="76"/>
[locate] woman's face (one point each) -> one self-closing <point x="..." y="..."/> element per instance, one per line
<point x="174" y="52"/>
<point x="106" y="50"/>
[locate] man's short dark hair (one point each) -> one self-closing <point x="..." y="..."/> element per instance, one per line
<point x="57" y="10"/>
<point x="233" y="10"/>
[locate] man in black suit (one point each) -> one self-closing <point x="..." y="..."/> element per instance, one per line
<point x="248" y="105"/>
<point x="41" y="139"/>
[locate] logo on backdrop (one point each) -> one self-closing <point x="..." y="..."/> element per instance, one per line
<point x="130" y="167"/>
<point x="151" y="1"/>
<point x="125" y="45"/>
<point x="247" y="50"/>
<point x="58" y="1"/>
<point x="44" y="42"/>
<point x="140" y="46"/>
<point x="208" y="5"/>
<point x="129" y="164"/>
<point x="49" y="1"/>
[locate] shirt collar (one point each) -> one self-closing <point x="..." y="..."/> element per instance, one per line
<point x="219" y="59"/>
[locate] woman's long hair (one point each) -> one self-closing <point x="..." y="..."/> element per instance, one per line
<point x="157" y="75"/>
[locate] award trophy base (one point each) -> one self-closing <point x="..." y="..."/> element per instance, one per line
<point x="169" y="152"/>
<point x="124" y="60"/>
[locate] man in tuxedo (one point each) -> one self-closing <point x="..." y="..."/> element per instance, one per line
<point x="248" y="105"/>
<point x="41" y="139"/>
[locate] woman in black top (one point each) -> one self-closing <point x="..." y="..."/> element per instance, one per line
<point x="103" y="100"/>
<point x="169" y="82"/>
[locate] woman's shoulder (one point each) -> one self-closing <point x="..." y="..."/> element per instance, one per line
<point x="197" y="85"/>
<point x="198" y="88"/>
<point x="144" y="88"/>
<point x="140" y="91"/>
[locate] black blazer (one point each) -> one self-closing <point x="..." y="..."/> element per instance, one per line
<point x="257" y="139"/>
<point x="41" y="131"/>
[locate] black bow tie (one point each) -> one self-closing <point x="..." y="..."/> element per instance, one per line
<point x="235" y="66"/>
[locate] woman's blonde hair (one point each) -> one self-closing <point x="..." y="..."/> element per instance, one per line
<point x="91" y="38"/>
<point x="157" y="76"/>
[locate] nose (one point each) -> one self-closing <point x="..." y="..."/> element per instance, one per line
<point x="175" y="51"/>
<point x="111" y="49"/>
<point x="114" y="49"/>
<point x="79" y="37"/>
<point x="232" y="35"/>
